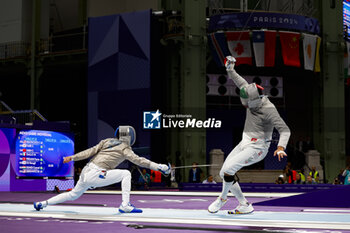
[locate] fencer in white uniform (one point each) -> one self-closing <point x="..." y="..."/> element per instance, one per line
<point x="100" y="171"/>
<point x="262" y="117"/>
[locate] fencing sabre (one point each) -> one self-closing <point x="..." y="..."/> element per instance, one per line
<point x="202" y="165"/>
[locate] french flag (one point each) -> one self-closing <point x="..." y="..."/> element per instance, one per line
<point x="218" y="47"/>
<point x="264" y="45"/>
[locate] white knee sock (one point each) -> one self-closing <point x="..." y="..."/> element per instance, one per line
<point x="237" y="192"/>
<point x="225" y="188"/>
<point x="44" y="203"/>
<point x="59" y="199"/>
<point x="126" y="187"/>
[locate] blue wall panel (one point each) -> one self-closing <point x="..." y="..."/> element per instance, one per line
<point x="119" y="74"/>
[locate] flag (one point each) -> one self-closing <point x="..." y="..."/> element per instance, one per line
<point x="290" y="48"/>
<point x="348" y="63"/>
<point x="309" y="48"/>
<point x="239" y="46"/>
<point x="264" y="44"/>
<point x="218" y="47"/>
<point x="317" y="59"/>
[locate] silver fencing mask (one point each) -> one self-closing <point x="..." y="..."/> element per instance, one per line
<point x="251" y="95"/>
<point x="126" y="134"/>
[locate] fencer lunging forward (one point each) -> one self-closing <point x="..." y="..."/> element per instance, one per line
<point x="262" y="117"/>
<point x="100" y="171"/>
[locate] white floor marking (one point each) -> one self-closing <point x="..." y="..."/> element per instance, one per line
<point x="327" y="210"/>
<point x="334" y="221"/>
<point x="173" y="200"/>
<point x="200" y="194"/>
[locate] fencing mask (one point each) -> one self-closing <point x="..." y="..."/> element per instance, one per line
<point x="251" y="95"/>
<point x="126" y="134"/>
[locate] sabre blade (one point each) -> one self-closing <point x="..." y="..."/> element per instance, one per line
<point x="202" y="165"/>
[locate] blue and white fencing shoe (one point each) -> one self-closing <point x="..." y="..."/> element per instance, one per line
<point x="129" y="208"/>
<point x="38" y="206"/>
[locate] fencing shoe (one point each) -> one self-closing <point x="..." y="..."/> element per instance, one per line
<point x="242" y="209"/>
<point x="129" y="208"/>
<point x="39" y="205"/>
<point x="216" y="205"/>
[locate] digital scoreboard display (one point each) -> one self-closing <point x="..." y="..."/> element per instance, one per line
<point x="39" y="154"/>
<point x="346" y="19"/>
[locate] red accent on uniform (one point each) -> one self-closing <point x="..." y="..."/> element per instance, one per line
<point x="254" y="140"/>
<point x="260" y="87"/>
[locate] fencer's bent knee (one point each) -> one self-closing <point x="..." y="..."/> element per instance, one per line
<point x="228" y="178"/>
<point x="126" y="173"/>
<point x="225" y="171"/>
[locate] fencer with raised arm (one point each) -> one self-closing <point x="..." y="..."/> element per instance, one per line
<point x="261" y="118"/>
<point x="100" y="171"/>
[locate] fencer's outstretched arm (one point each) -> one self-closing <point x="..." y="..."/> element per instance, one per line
<point x="88" y="152"/>
<point x="237" y="79"/>
<point x="134" y="158"/>
<point x="232" y="74"/>
<point x="143" y="162"/>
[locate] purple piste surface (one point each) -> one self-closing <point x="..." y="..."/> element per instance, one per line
<point x="149" y="201"/>
<point x="11" y="224"/>
<point x="35" y="225"/>
<point x="114" y="200"/>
